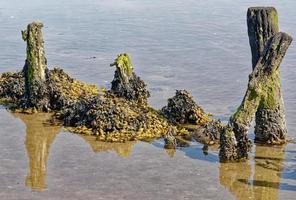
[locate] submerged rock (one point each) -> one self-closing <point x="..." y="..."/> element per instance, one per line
<point x="182" y="109"/>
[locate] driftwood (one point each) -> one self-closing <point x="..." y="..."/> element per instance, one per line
<point x="263" y="91"/>
<point x="270" y="121"/>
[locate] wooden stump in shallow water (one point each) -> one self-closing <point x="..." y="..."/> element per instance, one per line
<point x="270" y="120"/>
<point x="35" y="66"/>
<point x="263" y="91"/>
<point x="126" y="83"/>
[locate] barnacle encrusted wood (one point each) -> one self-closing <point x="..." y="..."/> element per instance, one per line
<point x="259" y="94"/>
<point x="270" y="121"/>
<point x="126" y="83"/>
<point x="35" y="68"/>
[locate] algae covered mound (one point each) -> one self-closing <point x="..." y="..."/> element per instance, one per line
<point x="114" y="119"/>
<point x="59" y="90"/>
<point x="65" y="91"/>
<point x="12" y="86"/>
<point x="126" y="83"/>
<point x="182" y="109"/>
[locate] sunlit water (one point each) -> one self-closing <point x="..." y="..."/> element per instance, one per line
<point x="201" y="46"/>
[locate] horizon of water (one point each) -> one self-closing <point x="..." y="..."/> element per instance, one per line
<point x="200" y="46"/>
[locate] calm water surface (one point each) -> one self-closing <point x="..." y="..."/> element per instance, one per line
<point x="198" y="45"/>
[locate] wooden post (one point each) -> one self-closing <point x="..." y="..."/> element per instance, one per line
<point x="36" y="62"/>
<point x="270" y="119"/>
<point x="263" y="91"/>
<point x="262" y="24"/>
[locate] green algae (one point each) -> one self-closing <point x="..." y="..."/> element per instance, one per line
<point x="124" y="66"/>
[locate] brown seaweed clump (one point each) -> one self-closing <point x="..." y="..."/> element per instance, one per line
<point x="182" y="109"/>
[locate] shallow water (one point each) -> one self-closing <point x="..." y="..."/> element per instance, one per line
<point x="198" y="45"/>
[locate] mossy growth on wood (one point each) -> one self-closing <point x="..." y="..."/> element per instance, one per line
<point x="124" y="66"/>
<point x="260" y="93"/>
<point x="36" y="61"/>
<point x="126" y="84"/>
<point x="270" y="117"/>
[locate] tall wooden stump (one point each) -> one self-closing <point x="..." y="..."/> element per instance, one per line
<point x="35" y="65"/>
<point x="263" y="91"/>
<point x="270" y="117"/>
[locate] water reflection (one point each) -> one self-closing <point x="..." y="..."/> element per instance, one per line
<point x="257" y="179"/>
<point x="40" y="134"/>
<point x="122" y="149"/>
<point x="39" y="137"/>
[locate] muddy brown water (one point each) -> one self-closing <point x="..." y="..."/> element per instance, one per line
<point x="198" y="45"/>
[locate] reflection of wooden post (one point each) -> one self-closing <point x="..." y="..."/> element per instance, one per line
<point x="268" y="166"/>
<point x="235" y="176"/>
<point x="270" y="119"/>
<point x="263" y="91"/>
<point x="238" y="177"/>
<point x="39" y="137"/>
<point x="35" y="65"/>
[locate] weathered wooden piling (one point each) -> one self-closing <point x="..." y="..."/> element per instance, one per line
<point x="270" y="121"/>
<point x="35" y="65"/>
<point x="262" y="24"/>
<point x="263" y="91"/>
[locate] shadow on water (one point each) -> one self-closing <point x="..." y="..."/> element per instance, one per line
<point x="259" y="178"/>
